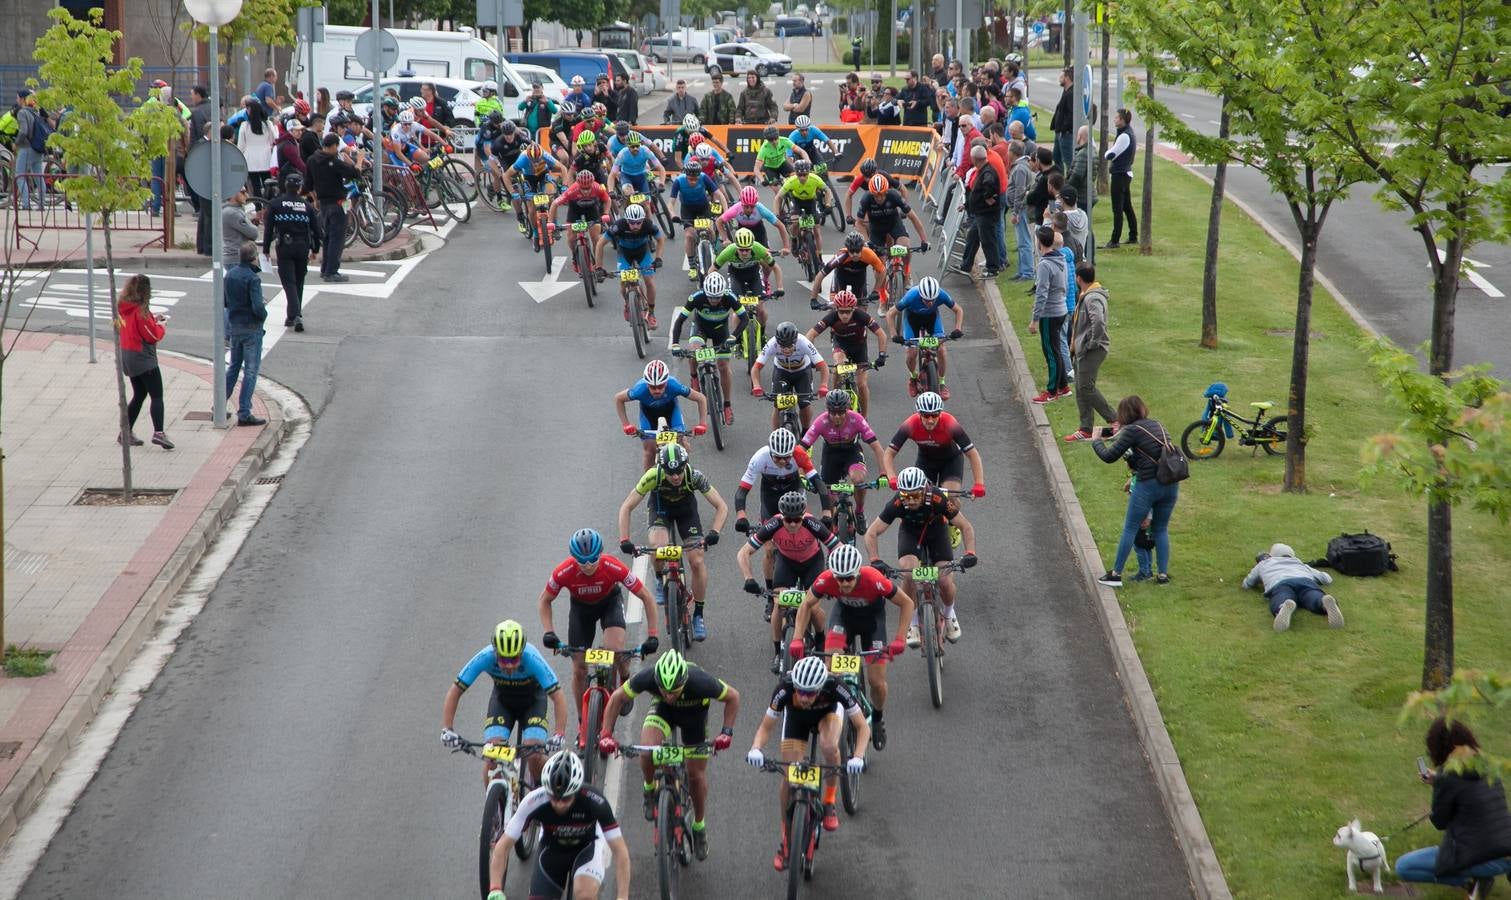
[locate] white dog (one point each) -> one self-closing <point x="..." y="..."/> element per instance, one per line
<point x="1365" y="852"/>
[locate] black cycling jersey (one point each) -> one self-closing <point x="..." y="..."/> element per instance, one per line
<point x="885" y="211"/>
<point x="701" y="689"/>
<point x="936" y="506"/>
<point x="833" y="697"/>
<point x="847" y="332"/>
<point x="577" y="827"/>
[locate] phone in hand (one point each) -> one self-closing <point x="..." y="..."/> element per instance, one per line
<point x="1422" y="771"/>
<point x="1106" y="431"/>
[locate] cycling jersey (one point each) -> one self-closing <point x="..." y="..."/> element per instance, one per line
<point x="852" y="430"/>
<point x="694" y="482"/>
<point x="800" y="356"/>
<point x="762" y="466"/>
<point x="946" y="440"/>
<point x="508" y="151"/>
<point x="531" y="676"/>
<point x="407" y="134"/>
<point x="806" y="141"/>
<point x="693" y="192"/>
<point x="936" y="507"/>
<point x="833" y="697"/>
<point x="593" y="200"/>
<point x="679" y="140"/>
<point x="847" y="334"/>
<point x="847" y="262"/>
<point x="772" y="154"/>
<point x="730" y="256"/>
<point x="622" y="237"/>
<point x="604" y="581"/>
<point x="589" y="814"/>
<point x="799" y="188"/>
<point x="710" y="316"/>
<point x="871" y="587"/>
<point x="534" y="169"/>
<point x="863" y="184"/>
<point x="632" y="162"/>
<point x="700" y="689"/>
<point x="665" y="406"/>
<point x="887" y="210"/>
<point x="748" y="218"/>
<point x="919" y="314"/>
<point x="799" y="546"/>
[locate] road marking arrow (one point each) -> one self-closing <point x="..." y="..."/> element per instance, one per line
<point x="551" y="285"/>
<point x="1476" y="278"/>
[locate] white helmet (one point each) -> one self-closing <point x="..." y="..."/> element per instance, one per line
<point x="808" y="675"/>
<point x="844" y="562"/>
<point x="690" y="122"/>
<point x="656" y="373"/>
<point x="928" y="288"/>
<point x="716" y="285"/>
<point x="491" y="87"/>
<point x="704" y="152"/>
<point x="803" y="122"/>
<point x="577" y="81"/>
<point x="562" y="774"/>
<point x="930" y="403"/>
<point x="781" y="442"/>
<point x="406" y="117"/>
<point x="912" y="479"/>
<point x="568" y="108"/>
<point x="634" y="213"/>
<point x="416" y="102"/>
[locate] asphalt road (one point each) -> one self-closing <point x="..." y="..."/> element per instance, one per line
<point x="290" y="747"/>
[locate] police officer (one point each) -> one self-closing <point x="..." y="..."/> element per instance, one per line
<point x="291" y="221"/>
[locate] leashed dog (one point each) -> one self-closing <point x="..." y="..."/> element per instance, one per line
<point x="1365" y="852"/>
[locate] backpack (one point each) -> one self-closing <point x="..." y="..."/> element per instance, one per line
<point x="1171" y="467"/>
<point x="1358" y="554"/>
<point x="40" y="131"/>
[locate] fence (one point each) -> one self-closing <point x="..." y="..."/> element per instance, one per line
<point x="47" y="210"/>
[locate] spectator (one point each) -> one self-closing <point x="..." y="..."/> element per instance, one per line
<point x="1049" y="313"/>
<point x="436" y="107"/>
<point x="1288" y="583"/>
<point x="290" y="220"/>
<point x="309" y="140"/>
<point x="1058" y="222"/>
<point x="604" y="94"/>
<point x="1471" y="812"/>
<point x="1139" y="441"/>
<point x="286" y="149"/>
<point x="626" y="100"/>
<point x="757" y="106"/>
<point x="579" y="96"/>
<point x="1038" y="195"/>
<point x="800" y="101"/>
<point x="680" y="105"/>
<point x="1062" y="123"/>
<point x="1015" y="133"/>
<point x="718" y="105"/>
<point x="1121" y="153"/>
<point x="1018" y="111"/>
<point x="917" y="102"/>
<point x="937" y="71"/>
<point x="32" y="130"/>
<point x="538" y="109"/>
<point x="1015" y="80"/>
<point x="852" y="100"/>
<point x="886" y="111"/>
<point x="1078" y="224"/>
<point x="235" y="228"/>
<point x="245" y="314"/>
<point x="1089" y="344"/>
<point x="1019" y="178"/>
<point x="254" y="138"/>
<point x="983" y="204"/>
<point x="328" y="176"/>
<point x="141" y="330"/>
<point x="323" y="102"/>
<point x="163" y="93"/>
<point x="267" y="93"/>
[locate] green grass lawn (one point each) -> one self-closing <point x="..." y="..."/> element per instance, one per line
<point x="1284" y="737"/>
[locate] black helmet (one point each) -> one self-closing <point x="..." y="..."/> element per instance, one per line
<point x="691" y="167"/>
<point x="621" y="127"/>
<point x="868" y="167"/>
<point x="345" y="95"/>
<point x="672" y="459"/>
<point x="495" y="118"/>
<point x="792" y="505"/>
<point x="786" y="334"/>
<point x="337" y="119"/>
<point x="838" y="401"/>
<point x="854" y="242"/>
<point x="293" y="182"/>
<point x="508" y="128"/>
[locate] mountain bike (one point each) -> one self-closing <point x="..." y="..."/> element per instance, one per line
<point x="896" y="257"/>
<point x="507" y="786"/>
<point x="673" y="809"/>
<point x="705" y="245"/>
<point x="787" y="406"/>
<point x="846" y="378"/>
<point x="659" y="208"/>
<point x="1205" y="438"/>
<point x="928" y="360"/>
<point x="679" y="600"/>
<point x="785" y="603"/>
<point x="805" y="244"/>
<point x="754" y="338"/>
<point x="441" y="189"/>
<point x="835" y="211"/>
<point x="805" y="814"/>
<point x="846" y="666"/>
<point x="603" y="680"/>
<point x="580" y="249"/>
<point x="930" y="611"/>
<point x="847" y="523"/>
<point x="635" y="309"/>
<point x="710" y="384"/>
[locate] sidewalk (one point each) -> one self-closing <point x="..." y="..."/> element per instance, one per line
<point x="90" y="581"/>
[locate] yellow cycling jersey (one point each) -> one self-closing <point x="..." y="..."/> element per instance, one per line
<point x="803" y="189"/>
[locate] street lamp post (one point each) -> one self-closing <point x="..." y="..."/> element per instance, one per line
<point x="216" y="13"/>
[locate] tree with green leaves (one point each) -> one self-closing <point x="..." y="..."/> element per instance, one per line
<point x="1241" y="50"/>
<point x="1468" y="697"/>
<point x="113" y="148"/>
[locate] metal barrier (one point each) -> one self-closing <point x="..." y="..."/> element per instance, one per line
<point x="48" y="209"/>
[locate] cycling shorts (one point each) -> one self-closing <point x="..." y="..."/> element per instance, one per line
<point x="747" y="281"/>
<point x="639" y="181"/>
<point x="585" y="618"/>
<point x="506" y="710"/>
<point x="771" y="174"/>
<point x="799" y="575"/>
<point x="857" y="350"/>
<point x="865" y="625"/>
<point x="592" y="214"/>
<point x="882" y="233"/>
<point x="914" y="324"/>
<point x="714" y="333"/>
<point x="555" y="866"/>
<point x="785" y="381"/>
<point x="853" y="280"/>
<point x="673" y="421"/>
<point x="931" y="545"/>
<point x="689" y="210"/>
<point x="838" y="460"/>
<point x="941" y="470"/>
<point x="798" y="723"/>
<point x="680" y="519"/>
<point x="772" y="490"/>
<point x="690" y="722"/>
<point x="638" y="258"/>
<point x="758" y="229"/>
<point x="803" y="207"/>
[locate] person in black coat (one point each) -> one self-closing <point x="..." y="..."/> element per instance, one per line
<point x="290" y="221"/>
<point x="1138" y="440"/>
<point x="982" y="203"/>
<point x="917" y="100"/>
<point x="1469" y="810"/>
<point x="1063" y="122"/>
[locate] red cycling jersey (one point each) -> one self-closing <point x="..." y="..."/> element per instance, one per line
<point x="871" y="587"/>
<point x="576" y="196"/>
<point x="611" y="573"/>
<point x="946" y="440"/>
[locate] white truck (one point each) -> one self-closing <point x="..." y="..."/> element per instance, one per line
<point x="422" y="54"/>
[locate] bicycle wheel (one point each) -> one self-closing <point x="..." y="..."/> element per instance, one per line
<point x="637" y="319"/>
<point x="354" y="224"/>
<point x="713" y="389"/>
<point x="592" y="763"/>
<point x="464" y="176"/>
<point x="545" y="245"/>
<point x="676" y="639"/>
<point x="1272" y="436"/>
<point x="432" y="193"/>
<point x="367" y="223"/>
<point x="454" y="198"/>
<point x="797" y="846"/>
<point x="789" y="625"/>
<point x="585" y="270"/>
<point x="524" y="848"/>
<point x="836" y="208"/>
<point x="497" y="807"/>
<point x="935" y="665"/>
<point x="1197" y="445"/>
<point x="704" y="256"/>
<point x="754" y="339"/>
<point x="849" y="785"/>
<point x="811" y="263"/>
<point x="844" y="529"/>
<point x="395" y="211"/>
<point x="897" y="284"/>
<point x="668" y="839"/>
<point x="928" y="377"/>
<point x="664" y="216"/>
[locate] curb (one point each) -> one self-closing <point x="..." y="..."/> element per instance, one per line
<point x="26" y="788"/>
<point x="1202" y="866"/>
<point x="412" y="246"/>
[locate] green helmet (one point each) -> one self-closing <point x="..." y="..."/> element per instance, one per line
<point x="671" y="671"/>
<point x="672" y="459"/>
<point x="509" y="639"/>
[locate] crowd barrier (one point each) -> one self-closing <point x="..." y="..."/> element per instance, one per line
<point x="57" y="214"/>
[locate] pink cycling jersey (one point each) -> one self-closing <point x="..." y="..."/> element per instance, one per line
<point x="852" y="428"/>
<point x="737" y="214"/>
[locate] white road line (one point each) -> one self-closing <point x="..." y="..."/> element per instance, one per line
<point x="1214" y="122"/>
<point x="1187" y="116"/>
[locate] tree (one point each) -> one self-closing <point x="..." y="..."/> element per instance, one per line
<point x="270" y="22"/>
<point x="1214" y="236"/>
<point x="1466" y="698"/>
<point x="584" y="15"/>
<point x="113" y="148"/>
<point x="168" y="22"/>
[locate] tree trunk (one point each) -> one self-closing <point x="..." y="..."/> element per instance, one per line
<point x="1067" y="31"/>
<point x="1214" y="232"/>
<point x="1146" y="211"/>
<point x="1301" y="346"/>
<point x="1102" y="116"/>
<point x="1437" y="655"/>
<point x="120" y="365"/>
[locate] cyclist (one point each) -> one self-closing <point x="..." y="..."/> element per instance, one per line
<point x="595" y="584"/>
<point x="809" y="138"/>
<point x="522" y="683"/>
<point x="780" y="466"/>
<point x="772" y="157"/>
<point x="619" y="140"/>
<point x="657" y="392"/>
<point x="438" y="130"/>
<point x="750" y="264"/>
<point x="752" y="215"/>
<point x="943" y="447"/>
<point x="630" y="165"/>
<point x="578" y="831"/>
<point x="709" y="310"/>
<point x="847" y="325"/>
<point x="926" y="514"/>
<point x="692" y="189"/>
<point x="919" y="311"/>
<point x="680" y="696"/>
<point x="801" y="542"/>
<point x="589" y="119"/>
<point x="675" y="484"/>
<point x="805" y="192"/>
<point x="580" y="96"/>
<point x="591" y="157"/>
<point x="533" y="167"/>
<point x="806" y="700"/>
<point x="843" y="430"/>
<point x="406" y="136"/>
<point x="881" y="211"/>
<point x="508" y="146"/>
<point x="632" y="234"/>
<point x="714" y="165"/>
<point x="586" y="201"/>
<point x="859" y="613"/>
<point x="868" y="170"/>
<point x="849" y="268"/>
<point x="563" y="132"/>
<point x="794" y="359"/>
<point x="682" y="139"/>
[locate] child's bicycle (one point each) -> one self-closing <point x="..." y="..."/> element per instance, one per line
<point x="1205" y="438"/>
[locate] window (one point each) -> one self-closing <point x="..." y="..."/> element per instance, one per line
<point x="480" y="70"/>
<point x="429" y="68"/>
<point x="354" y="69"/>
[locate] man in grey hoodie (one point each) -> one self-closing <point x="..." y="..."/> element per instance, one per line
<point x="1049" y="314"/>
<point x="1019" y="179"/>
<point x="1288" y="583"/>
<point x="1088" y="350"/>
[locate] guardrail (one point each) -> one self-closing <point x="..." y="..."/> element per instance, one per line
<point x="48" y="209"/>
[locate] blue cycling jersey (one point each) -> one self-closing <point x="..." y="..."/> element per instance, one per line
<point x="694" y="192"/>
<point x="532" y="675"/>
<point x="620" y="235"/>
<point x="664" y="405"/>
<point x="814" y="134"/>
<point x="913" y="303"/>
<point x="631" y="162"/>
<point x="525" y="164"/>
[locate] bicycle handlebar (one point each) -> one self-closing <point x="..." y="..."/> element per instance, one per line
<point x="892" y="571"/>
<point x="698" y="544"/>
<point x="633" y="750"/>
<point x="471" y="748"/>
<point x="567" y="650"/>
<point x="772" y="765"/>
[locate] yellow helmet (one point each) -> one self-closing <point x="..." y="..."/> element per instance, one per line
<point x="744" y="238"/>
<point x="509" y="639"/>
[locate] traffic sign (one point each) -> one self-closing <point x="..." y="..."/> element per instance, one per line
<point x="377" y="50"/>
<point x="1039" y="28"/>
<point x="233" y="169"/>
<point x="1086" y="91"/>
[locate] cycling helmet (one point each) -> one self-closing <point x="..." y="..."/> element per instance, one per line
<point x="634" y="139"/>
<point x="690" y="122"/>
<point x="854" y="242"/>
<point x="744" y="238"/>
<point x="508" y="128"/>
<point x="928" y="288"/>
<point x="792" y="505"/>
<point x="496" y="118"/>
<point x="390" y="101"/>
<point x="868" y="167"/>
<point x="912" y="479"/>
<point x="568" y="108"/>
<point x="634" y="214"/>
<point x="808" y="675"/>
<point x="838" y="401"/>
<point x="1016" y="59"/>
<point x="490" y="87"/>
<point x="600" y="110"/>
<point x="671" y="671"/>
<point x="696" y="140"/>
<point x="715" y="285"/>
<point x="562" y="773"/>
<point x="577" y="81"/>
<point x="802" y="167"/>
<point x="672" y="459"/>
<point x="586" y="139"/>
<point x="301" y="107"/>
<point x="656" y="373"/>
<point x="416" y="102"/>
<point x="622" y="127"/>
<point x="843" y="299"/>
<point x="803" y="122"/>
<point x="509" y="639"/>
<point x="877" y="184"/>
<point x="770" y="133"/>
<point x="692" y="168"/>
<point x="586" y="545"/>
<point x="844" y="561"/>
<point x="535" y="151"/>
<point x="929" y="403"/>
<point x="585" y="179"/>
<point x="749" y="195"/>
<point x="704" y="152"/>
<point x="337" y="119"/>
<point x="406" y="117"/>
<point x="780" y="442"/>
<point x="786" y="334"/>
<point x="345" y="95"/>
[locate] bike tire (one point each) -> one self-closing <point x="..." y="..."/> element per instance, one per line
<point x="836" y="208"/>
<point x="849" y="785"/>
<point x="928" y="377"/>
<point x="524" y="848"/>
<point x="754" y="339"/>
<point x="454" y="198"/>
<point x="1193" y="443"/>
<point x="497" y="807"/>
<point x="395" y="211"/>
<point x="585" y="270"/>
<point x="636" y="319"/>
<point x="897" y="284"/>
<point x="464" y="176"/>
<point x="714" y="391"/>
<point x="812" y="265"/>
<point x="370" y="225"/>
<point x="355" y="222"/>
<point x="930" y="628"/>
<point x="789" y="625"/>
<point x="592" y="762"/>
<point x="843" y="528"/>
<point x="664" y="215"/>
<point x="1274" y="426"/>
<point x="797" y="843"/>
<point x="704" y="257"/>
<point x="431" y="193"/>
<point x="545" y="246"/>
<point x="668" y="866"/>
<point x="674" y="603"/>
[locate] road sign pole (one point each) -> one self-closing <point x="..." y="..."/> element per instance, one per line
<point x="962" y="52"/>
<point x="893" y="30"/>
<point x="215" y="203"/>
<point x="498" y="21"/>
<point x="377" y="114"/>
<point x="89" y="256"/>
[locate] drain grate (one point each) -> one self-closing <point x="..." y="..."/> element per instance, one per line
<point x="270" y="479"/>
<point x="9" y="749"/>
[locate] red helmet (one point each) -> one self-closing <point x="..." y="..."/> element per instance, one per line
<point x="695" y="140"/>
<point x="585" y="179"/>
<point x="843" y="300"/>
<point x="301" y="107"/>
<point x="749" y="196"/>
<point x="878" y="184"/>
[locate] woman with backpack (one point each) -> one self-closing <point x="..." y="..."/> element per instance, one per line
<point x="1469" y="808"/>
<point x="1140" y="441"/>
<point x="254" y="138"/>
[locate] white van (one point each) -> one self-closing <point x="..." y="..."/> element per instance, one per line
<point x="459" y="55"/>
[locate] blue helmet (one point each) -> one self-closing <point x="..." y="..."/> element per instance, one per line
<point x="586" y="546"/>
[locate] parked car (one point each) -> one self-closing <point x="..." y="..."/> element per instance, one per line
<point x="699" y="43"/>
<point x="555" y="87"/>
<point x="462" y="95"/>
<point x="568" y="63"/>
<point x="796" y="26"/>
<point x="737" y="59"/>
<point x="638" y="67"/>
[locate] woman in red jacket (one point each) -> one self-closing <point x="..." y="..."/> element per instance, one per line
<point x="140" y="331"/>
